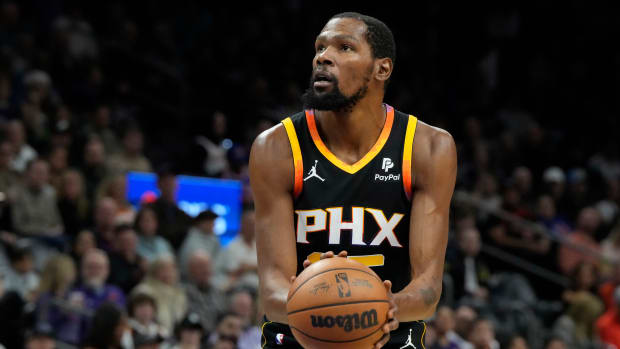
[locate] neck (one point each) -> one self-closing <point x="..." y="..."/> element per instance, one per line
<point x="362" y="127"/>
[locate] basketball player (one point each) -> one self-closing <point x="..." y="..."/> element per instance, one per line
<point x="352" y="174"/>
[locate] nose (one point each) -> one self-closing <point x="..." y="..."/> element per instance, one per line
<point x="324" y="57"/>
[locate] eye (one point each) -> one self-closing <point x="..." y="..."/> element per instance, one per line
<point x="346" y="47"/>
<point x="320" y="48"/>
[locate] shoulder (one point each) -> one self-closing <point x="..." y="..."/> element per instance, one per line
<point x="434" y="141"/>
<point x="434" y="155"/>
<point x="271" y="161"/>
<point x="272" y="142"/>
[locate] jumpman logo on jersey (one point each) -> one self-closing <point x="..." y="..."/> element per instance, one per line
<point x="312" y="173"/>
<point x="409" y="342"/>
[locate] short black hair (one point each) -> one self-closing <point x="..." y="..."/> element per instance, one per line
<point x="378" y="35"/>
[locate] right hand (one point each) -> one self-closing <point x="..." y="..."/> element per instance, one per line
<point x="328" y="254"/>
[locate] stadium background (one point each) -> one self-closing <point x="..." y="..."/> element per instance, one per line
<point x="528" y="90"/>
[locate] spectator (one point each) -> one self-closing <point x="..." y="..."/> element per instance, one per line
<point x="482" y="335"/>
<point x="229" y="327"/>
<point x="173" y="222"/>
<point x="21" y="276"/>
<point x="73" y="205"/>
<point x="55" y="308"/>
<point x="583" y="307"/>
<point x="142" y="310"/>
<point x="150" y="245"/>
<point x="99" y="126"/>
<point x="610" y="247"/>
<point x="83" y="242"/>
<point x="469" y="271"/>
<point x="131" y="157"/>
<point x="93" y="166"/>
<point x="40" y="338"/>
<point x="446" y="337"/>
<point x="128" y="266"/>
<point x="570" y="254"/>
<point x="236" y="265"/>
<point x="105" y="211"/>
<point x="606" y="290"/>
<point x="93" y="290"/>
<point x="517" y="342"/>
<point x="555" y="184"/>
<point x="204" y="299"/>
<point x="200" y="237"/>
<point x="115" y="187"/>
<point x="242" y="303"/>
<point x="35" y="212"/>
<point x="58" y="159"/>
<point x="190" y="333"/>
<point x="464" y="317"/>
<point x="161" y="282"/>
<point x="522" y="180"/>
<point x="8" y="177"/>
<point x="548" y="217"/>
<point x="608" y="325"/>
<point x="216" y="146"/>
<point x="22" y="152"/>
<point x="109" y="329"/>
<point x="556" y="343"/>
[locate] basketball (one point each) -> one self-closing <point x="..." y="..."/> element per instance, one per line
<point x="337" y="303"/>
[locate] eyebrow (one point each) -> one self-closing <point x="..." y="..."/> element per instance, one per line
<point x="338" y="37"/>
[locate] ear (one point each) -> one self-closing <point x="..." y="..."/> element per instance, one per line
<point x="383" y="69"/>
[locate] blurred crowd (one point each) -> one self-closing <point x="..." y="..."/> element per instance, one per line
<point x="90" y="92"/>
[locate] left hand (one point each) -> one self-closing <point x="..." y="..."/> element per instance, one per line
<point x="392" y="322"/>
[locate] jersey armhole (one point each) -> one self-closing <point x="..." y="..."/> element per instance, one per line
<point x="407" y="155"/>
<point x="297" y="159"/>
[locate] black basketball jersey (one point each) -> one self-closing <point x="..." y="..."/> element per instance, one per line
<point x="362" y="208"/>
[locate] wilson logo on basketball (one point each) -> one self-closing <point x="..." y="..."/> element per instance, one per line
<point x="347" y="322"/>
<point x="342" y="281"/>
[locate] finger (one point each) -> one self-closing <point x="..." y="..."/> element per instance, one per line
<point x="343" y="254"/>
<point x="388" y="285"/>
<point x="382" y="341"/>
<point x="306" y="263"/>
<point x="328" y="254"/>
<point x="393" y="324"/>
<point x="293" y="278"/>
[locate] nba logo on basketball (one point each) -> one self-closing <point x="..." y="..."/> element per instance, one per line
<point x="344" y="289"/>
<point x="279" y="339"/>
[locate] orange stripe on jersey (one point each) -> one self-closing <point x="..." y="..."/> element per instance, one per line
<point x="411" y="125"/>
<point x="297" y="159"/>
<point x="385" y="133"/>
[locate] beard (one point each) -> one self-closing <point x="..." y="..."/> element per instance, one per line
<point x="333" y="100"/>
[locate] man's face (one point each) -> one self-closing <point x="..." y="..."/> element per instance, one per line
<point x="95" y="269"/>
<point x="342" y="67"/>
<point x="38" y="174"/>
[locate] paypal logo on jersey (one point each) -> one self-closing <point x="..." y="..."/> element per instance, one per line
<point x="387" y="164"/>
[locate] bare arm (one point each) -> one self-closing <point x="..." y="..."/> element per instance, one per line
<point x="271" y="177"/>
<point x="434" y="165"/>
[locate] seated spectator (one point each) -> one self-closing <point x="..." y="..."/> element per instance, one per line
<point x="9" y="178"/>
<point x="93" y="166"/>
<point x="608" y="325"/>
<point x="109" y="329"/>
<point x="21" y="277"/>
<point x="54" y="307"/>
<point x="142" y="310"/>
<point x="99" y="125"/>
<point x="517" y="342"/>
<point x="73" y="205"/>
<point x="200" y="237"/>
<point x="105" y="211"/>
<point x="606" y="290"/>
<point x="556" y="343"/>
<point x="162" y="283"/>
<point x="547" y="216"/>
<point x="13" y="320"/>
<point x="129" y="268"/>
<point x="131" y="157"/>
<point x="204" y="299"/>
<point x="190" y="333"/>
<point x="34" y="211"/>
<point x="482" y="335"/>
<point x="446" y="338"/>
<point x="93" y="290"/>
<point x="83" y="242"/>
<point x="23" y="153"/>
<point x="173" y="222"/>
<point x="583" y="307"/>
<point x="464" y="318"/>
<point x="583" y="239"/>
<point x="610" y="247"/>
<point x="58" y="159"/>
<point x="229" y="327"/>
<point x="115" y="187"/>
<point x="243" y="303"/>
<point x="468" y="268"/>
<point x="41" y="338"/>
<point x="150" y="245"/>
<point x="236" y="265"/>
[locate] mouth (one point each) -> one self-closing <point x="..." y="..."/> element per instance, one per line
<point x="322" y="80"/>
